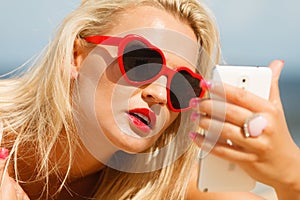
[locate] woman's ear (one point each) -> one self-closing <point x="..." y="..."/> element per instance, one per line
<point x="80" y="52"/>
<point x="77" y="53"/>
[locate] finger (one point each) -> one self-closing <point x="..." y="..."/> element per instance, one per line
<point x="3" y="157"/>
<point x="224" y="111"/>
<point x="7" y="190"/>
<point x="231" y="153"/>
<point x="2" y="166"/>
<point x="276" y="67"/>
<point x="235" y="134"/>
<point x="241" y="97"/>
<point x="221" y="134"/>
<point x="19" y="190"/>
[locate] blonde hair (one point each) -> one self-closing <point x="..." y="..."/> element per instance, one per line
<point x="36" y="107"/>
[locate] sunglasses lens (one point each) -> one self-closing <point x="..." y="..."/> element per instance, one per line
<point x="183" y="88"/>
<point x="140" y="62"/>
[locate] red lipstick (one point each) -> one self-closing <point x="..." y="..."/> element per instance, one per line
<point x="142" y="118"/>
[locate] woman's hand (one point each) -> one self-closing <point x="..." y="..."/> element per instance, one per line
<point x="271" y="156"/>
<point x="9" y="189"/>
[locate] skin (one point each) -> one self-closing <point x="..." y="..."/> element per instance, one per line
<point x="85" y="166"/>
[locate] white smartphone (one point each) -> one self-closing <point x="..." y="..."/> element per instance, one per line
<point x="219" y="175"/>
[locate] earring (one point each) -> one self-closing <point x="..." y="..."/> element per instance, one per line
<point x="74" y="73"/>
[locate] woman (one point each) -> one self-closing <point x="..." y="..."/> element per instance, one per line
<point x="82" y="90"/>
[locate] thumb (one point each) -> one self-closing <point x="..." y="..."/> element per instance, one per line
<point x="3" y="157"/>
<point x="276" y="67"/>
<point x="7" y="189"/>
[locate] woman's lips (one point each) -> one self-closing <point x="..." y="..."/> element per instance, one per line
<point x="142" y="118"/>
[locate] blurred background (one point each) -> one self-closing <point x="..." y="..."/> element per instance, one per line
<point x="253" y="32"/>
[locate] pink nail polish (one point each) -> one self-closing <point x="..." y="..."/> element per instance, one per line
<point x="194" y="102"/>
<point x="209" y="84"/>
<point x="195" y="116"/>
<point x="193" y="135"/>
<point x="3" y="153"/>
<point x="257" y="125"/>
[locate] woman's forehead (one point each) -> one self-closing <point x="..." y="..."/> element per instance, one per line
<point x="159" y="27"/>
<point x="170" y="41"/>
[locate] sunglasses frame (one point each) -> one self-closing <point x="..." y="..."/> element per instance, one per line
<point x="121" y="43"/>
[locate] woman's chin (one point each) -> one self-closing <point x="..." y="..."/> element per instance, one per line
<point x="131" y="144"/>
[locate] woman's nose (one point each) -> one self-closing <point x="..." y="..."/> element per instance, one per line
<point x="156" y="92"/>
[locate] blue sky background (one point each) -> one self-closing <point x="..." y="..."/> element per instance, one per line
<point x="253" y="32"/>
<point x="26" y="27"/>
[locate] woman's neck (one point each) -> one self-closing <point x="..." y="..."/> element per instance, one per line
<point x="81" y="188"/>
<point x="83" y="174"/>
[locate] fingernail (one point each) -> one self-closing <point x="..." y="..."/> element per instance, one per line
<point x="209" y="84"/>
<point x="205" y="85"/>
<point x="282" y="61"/>
<point x="193" y="135"/>
<point x="194" y="102"/>
<point x="195" y="116"/>
<point x="257" y="125"/>
<point x="3" y="153"/>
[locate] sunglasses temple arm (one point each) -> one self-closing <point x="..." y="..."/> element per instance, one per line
<point x="205" y="86"/>
<point x="104" y="40"/>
